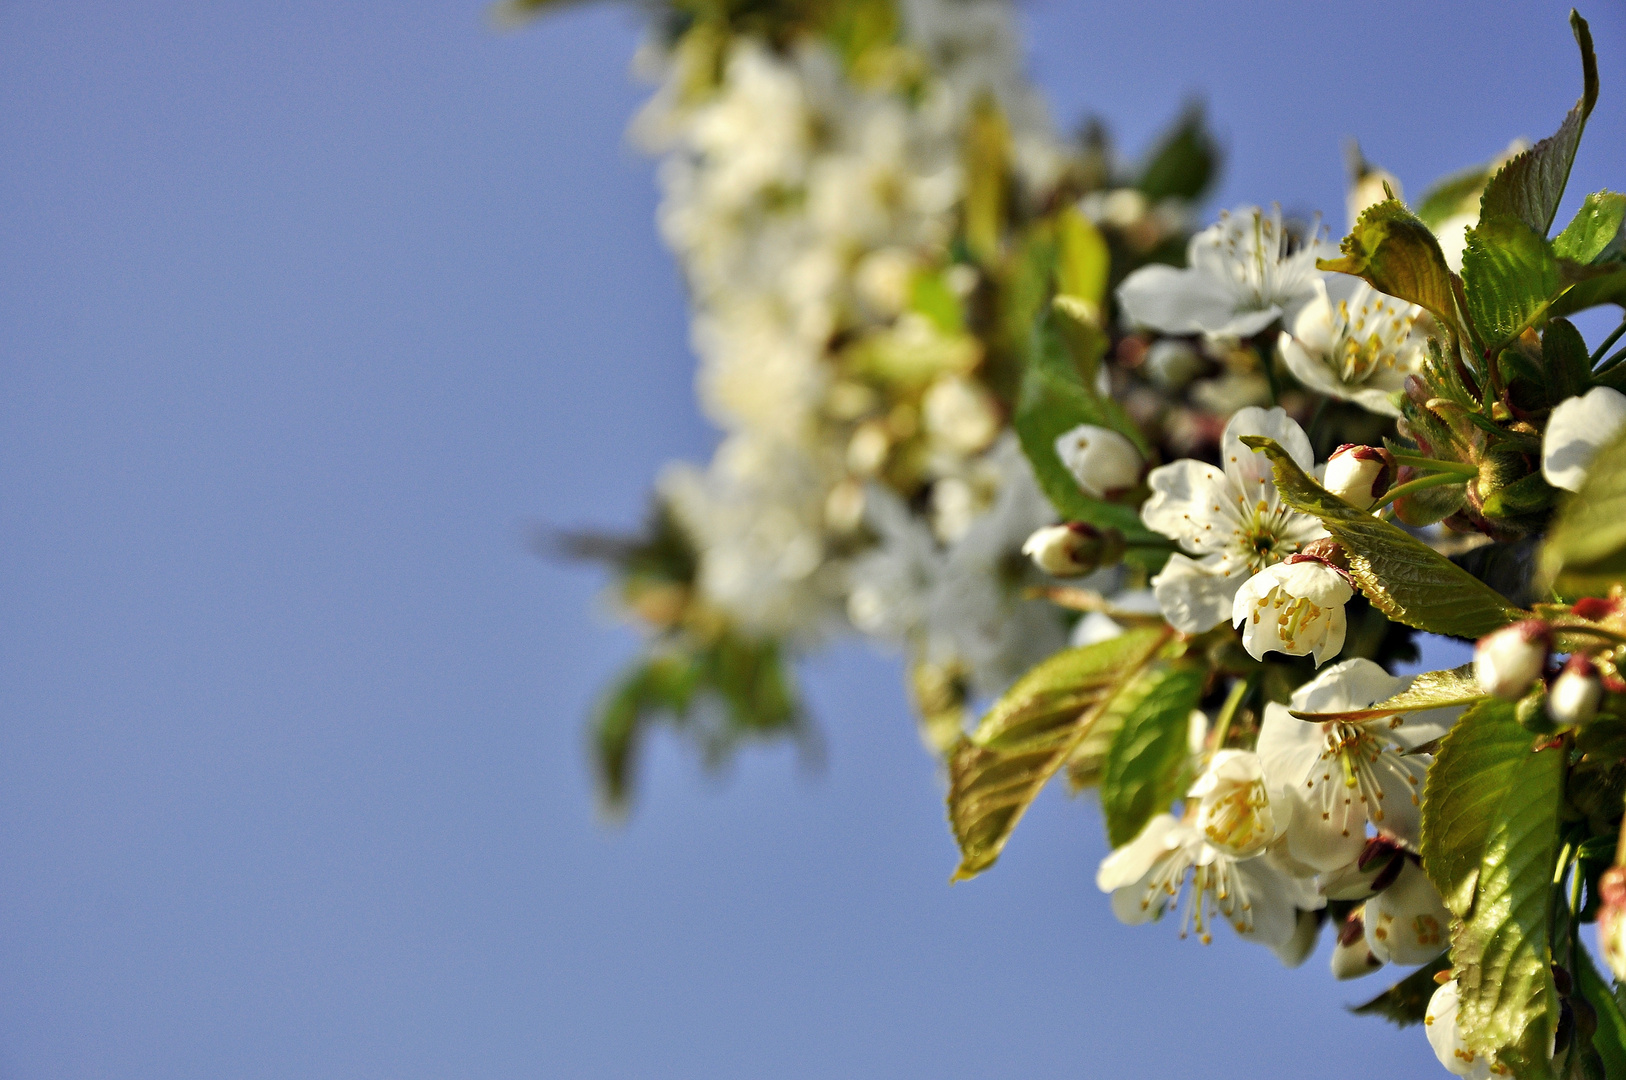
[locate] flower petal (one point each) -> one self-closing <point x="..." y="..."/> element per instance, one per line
<point x="1577" y="429"/>
<point x="1195" y="596"/>
<point x="1175" y="301"/>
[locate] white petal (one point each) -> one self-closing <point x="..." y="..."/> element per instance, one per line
<point x="1309" y="369"/>
<point x="1248" y="469"/>
<point x="1353" y="684"/>
<point x="1187" y="505"/>
<point x="1577" y="429"/>
<point x="1132" y="862"/>
<point x="1194" y="597"/>
<point x="1407" y="923"/>
<point x="1333" y="643"/>
<point x="1175" y="301"/>
<point x="1248" y="323"/>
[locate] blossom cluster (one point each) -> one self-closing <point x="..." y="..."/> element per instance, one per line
<point x="1171" y="503"/>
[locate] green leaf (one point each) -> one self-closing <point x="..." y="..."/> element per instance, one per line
<point x="1455" y="195"/>
<point x="1530" y="186"/>
<point x="1607" y="285"/>
<point x="1406" y="1002"/>
<point x="1143" y="767"/>
<point x="987" y="154"/>
<point x="930" y="295"/>
<point x="1585" y="550"/>
<point x="1430" y="690"/>
<point x="1184" y="163"/>
<point x="996" y="772"/>
<point x="1593" y="228"/>
<point x="1403" y="577"/>
<point x="1564" y="355"/>
<point x="1054" y="400"/>
<point x="1510" y="276"/>
<point x="1397" y="254"/>
<point x="1490" y="841"/>
<point x="1609" y="1040"/>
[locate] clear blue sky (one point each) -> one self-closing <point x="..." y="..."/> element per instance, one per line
<point x="307" y="310"/>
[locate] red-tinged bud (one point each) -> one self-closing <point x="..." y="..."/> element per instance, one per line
<point x="1074" y="548"/>
<point x="1351" y="956"/>
<point x="1595" y="608"/>
<point x="1612" y="919"/>
<point x="1576" y="693"/>
<point x="1360" y="474"/>
<point x="1508" y="660"/>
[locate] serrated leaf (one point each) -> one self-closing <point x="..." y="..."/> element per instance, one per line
<point x="1585" y="550"/>
<point x="1142" y="770"/>
<point x="996" y="772"/>
<point x="1403" y="577"/>
<point x="1184" y="161"/>
<point x="1430" y="690"/>
<point x="1609" y="1040"/>
<point x="1490" y="841"/>
<point x="1406" y="1002"/>
<point x="1510" y="276"/>
<point x="1397" y="254"/>
<point x="1531" y="185"/>
<point x="1592" y="229"/>
<point x="1054" y="400"/>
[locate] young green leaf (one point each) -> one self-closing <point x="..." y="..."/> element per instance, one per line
<point x="1531" y="186"/>
<point x="1430" y="690"/>
<point x="1564" y="355"/>
<point x="1083" y="261"/>
<point x="997" y="771"/>
<point x="1593" y="228"/>
<point x="1510" y="276"/>
<point x="1397" y="254"/>
<point x="1054" y="400"/>
<point x="1585" y="550"/>
<point x="1403" y="577"/>
<point x="1609" y="1040"/>
<point x="1406" y="1002"/>
<point x="1490" y="841"/>
<point x="1604" y="283"/>
<point x="1148" y="753"/>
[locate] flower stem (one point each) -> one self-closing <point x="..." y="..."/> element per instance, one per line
<point x="1233" y="702"/>
<point x="1418" y="461"/>
<point x="1614" y="336"/>
<point x="1614" y="359"/>
<point x="1437" y="480"/>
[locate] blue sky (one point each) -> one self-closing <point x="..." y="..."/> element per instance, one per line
<point x="308" y="312"/>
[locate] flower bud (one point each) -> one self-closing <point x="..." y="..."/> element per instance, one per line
<point x="1100" y="459"/>
<point x="1073" y="549"/>
<point x="1360" y="474"/>
<point x="1172" y="363"/>
<point x="1576" y="693"/>
<point x="1508" y="660"/>
<point x="1351" y="956"/>
<point x="1612" y="919"/>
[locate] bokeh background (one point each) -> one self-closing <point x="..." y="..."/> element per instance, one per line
<point x="309" y="312"/>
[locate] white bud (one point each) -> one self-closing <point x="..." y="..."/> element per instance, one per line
<point x="1101" y="460"/>
<point x="1576" y="693"/>
<point x="1508" y="660"/>
<point x="1171" y="363"/>
<point x="1352" y="957"/>
<point x="1072" y="549"/>
<point x="1359" y="474"/>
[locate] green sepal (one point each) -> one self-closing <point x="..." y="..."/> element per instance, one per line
<point x="1403" y="577"/>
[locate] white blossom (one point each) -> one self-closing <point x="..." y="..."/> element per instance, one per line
<point x="1354" y="343"/>
<point x="1346" y="773"/>
<point x="1231" y="519"/>
<point x="1407" y="922"/>
<point x="1294" y="607"/>
<point x="1576" y="430"/>
<point x="1242" y="274"/>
